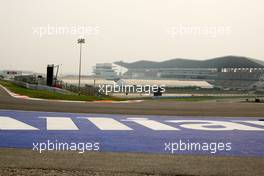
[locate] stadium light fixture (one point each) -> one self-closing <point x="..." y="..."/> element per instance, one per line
<point x="80" y="41"/>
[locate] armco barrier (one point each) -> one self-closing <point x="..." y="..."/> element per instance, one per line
<point x="41" y="87"/>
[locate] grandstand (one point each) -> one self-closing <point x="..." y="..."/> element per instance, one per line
<point x="225" y="72"/>
<point x="166" y="83"/>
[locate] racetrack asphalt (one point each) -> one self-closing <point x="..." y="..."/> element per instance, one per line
<point x="150" y="107"/>
<point x="28" y="162"/>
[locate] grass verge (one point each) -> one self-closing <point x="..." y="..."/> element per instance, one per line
<point x="43" y="94"/>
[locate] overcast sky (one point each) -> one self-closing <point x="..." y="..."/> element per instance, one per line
<point x="127" y="30"/>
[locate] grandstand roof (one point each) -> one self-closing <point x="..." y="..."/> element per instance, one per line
<point x="220" y="62"/>
<point x="166" y="83"/>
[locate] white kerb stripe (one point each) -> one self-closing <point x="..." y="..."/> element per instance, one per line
<point x="8" y="123"/>
<point x="60" y="123"/>
<point x="108" y="123"/>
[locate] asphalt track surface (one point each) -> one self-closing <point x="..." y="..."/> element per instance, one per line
<point x="224" y="109"/>
<point x="16" y="161"/>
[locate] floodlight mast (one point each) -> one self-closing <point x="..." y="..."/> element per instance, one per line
<point x="80" y="41"/>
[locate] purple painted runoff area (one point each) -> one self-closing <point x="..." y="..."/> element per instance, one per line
<point x="140" y="139"/>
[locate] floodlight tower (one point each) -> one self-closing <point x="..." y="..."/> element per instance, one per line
<point x="80" y="41"/>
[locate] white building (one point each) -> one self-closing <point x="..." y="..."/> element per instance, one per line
<point x="10" y="74"/>
<point x="106" y="71"/>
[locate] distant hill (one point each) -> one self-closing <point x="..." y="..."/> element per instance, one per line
<point x="220" y="62"/>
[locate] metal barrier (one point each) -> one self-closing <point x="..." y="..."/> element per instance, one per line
<point x="41" y="87"/>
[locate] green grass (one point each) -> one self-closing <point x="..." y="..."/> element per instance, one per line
<point x="43" y="94"/>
